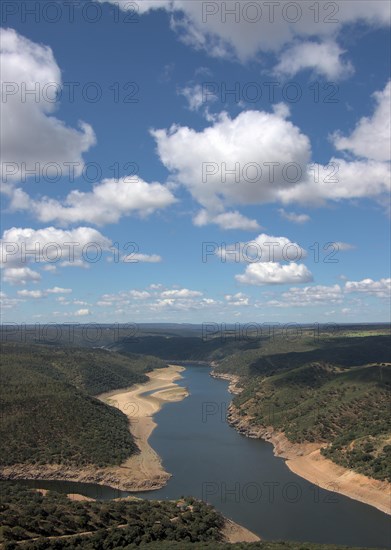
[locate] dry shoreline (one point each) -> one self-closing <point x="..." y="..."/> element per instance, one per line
<point x="141" y="472"/>
<point x="306" y="461"/>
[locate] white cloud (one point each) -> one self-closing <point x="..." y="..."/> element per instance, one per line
<point x="371" y="137"/>
<point x="106" y="203"/>
<point x="196" y="97"/>
<point x="344" y="246"/>
<point x="322" y="58"/>
<point x="257" y="158"/>
<point x="43" y="293"/>
<point x="340" y="180"/>
<point x="82" y="312"/>
<point x="381" y="288"/>
<point x="58" y="290"/>
<point x="255" y="28"/>
<point x="20" y="275"/>
<point x="274" y="273"/>
<point x="8" y="303"/>
<point x="139" y="294"/>
<point x="309" y="296"/>
<point x="226" y="220"/>
<point x="247" y="144"/>
<point x="31" y="293"/>
<point x="30" y="133"/>
<point x="238" y="299"/>
<point x="180" y="293"/>
<point x="50" y="245"/>
<point x="264" y="248"/>
<point x="293" y="217"/>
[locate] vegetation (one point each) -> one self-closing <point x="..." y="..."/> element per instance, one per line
<point x="49" y="414"/>
<point x="33" y="521"/>
<point x="348" y="408"/>
<point x="27" y="514"/>
<point x="270" y="356"/>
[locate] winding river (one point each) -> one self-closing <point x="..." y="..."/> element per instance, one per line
<point x="241" y="476"/>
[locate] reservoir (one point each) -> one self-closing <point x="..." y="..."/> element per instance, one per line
<point x="241" y="477"/>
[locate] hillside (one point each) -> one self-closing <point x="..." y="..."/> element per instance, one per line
<point x="270" y="356"/>
<point x="26" y="514"/>
<point x="49" y="414"/>
<point x="346" y="408"/>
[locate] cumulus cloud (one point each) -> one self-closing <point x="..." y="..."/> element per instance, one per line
<point x="273" y="273"/>
<point x="238" y="300"/>
<point x="381" y="288"/>
<point x="20" y="275"/>
<point x="106" y="203"/>
<point x="371" y="137"/>
<point x="196" y="96"/>
<point x="323" y="58"/>
<point x="246" y="30"/>
<point x="6" y="302"/>
<point x="309" y="296"/>
<point x="44" y="293"/>
<point x="82" y="312"/>
<point x="293" y="217"/>
<point x="256" y="158"/>
<point x="20" y="246"/>
<point x="226" y="220"/>
<point x="30" y="293"/>
<point x="264" y="248"/>
<point x="180" y="293"/>
<point x="339" y="180"/>
<point x="242" y="160"/>
<point x="58" y="290"/>
<point x="157" y="298"/>
<point x="30" y="134"/>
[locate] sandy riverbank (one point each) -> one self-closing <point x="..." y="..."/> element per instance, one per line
<point x="140" y="408"/>
<point x="305" y="460"/>
<point x="233" y="532"/>
<point x="141" y="472"/>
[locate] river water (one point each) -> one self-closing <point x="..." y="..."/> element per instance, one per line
<point x="241" y="477"/>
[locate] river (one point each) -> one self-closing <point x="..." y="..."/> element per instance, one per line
<point x="241" y="477"/>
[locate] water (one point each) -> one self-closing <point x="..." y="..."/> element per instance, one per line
<point x="241" y="476"/>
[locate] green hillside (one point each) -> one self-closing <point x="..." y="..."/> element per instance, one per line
<point x="349" y="408"/>
<point x="28" y="519"/>
<point x="270" y="356"/>
<point x="49" y="414"/>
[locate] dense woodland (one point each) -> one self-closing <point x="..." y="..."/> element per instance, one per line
<point x="27" y="515"/>
<point x="49" y="414"/>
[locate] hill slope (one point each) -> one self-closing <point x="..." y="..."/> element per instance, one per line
<point x="320" y="402"/>
<point x="49" y="414"/>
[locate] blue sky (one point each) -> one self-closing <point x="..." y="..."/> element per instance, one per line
<point x="130" y="214"/>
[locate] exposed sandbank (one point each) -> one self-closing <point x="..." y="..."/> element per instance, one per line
<point x="306" y="461"/>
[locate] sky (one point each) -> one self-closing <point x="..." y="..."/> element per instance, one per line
<point x="195" y="162"/>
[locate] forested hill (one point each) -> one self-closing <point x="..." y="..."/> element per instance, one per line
<point x="32" y="521"/>
<point x="335" y="391"/>
<point x="49" y="414"/>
